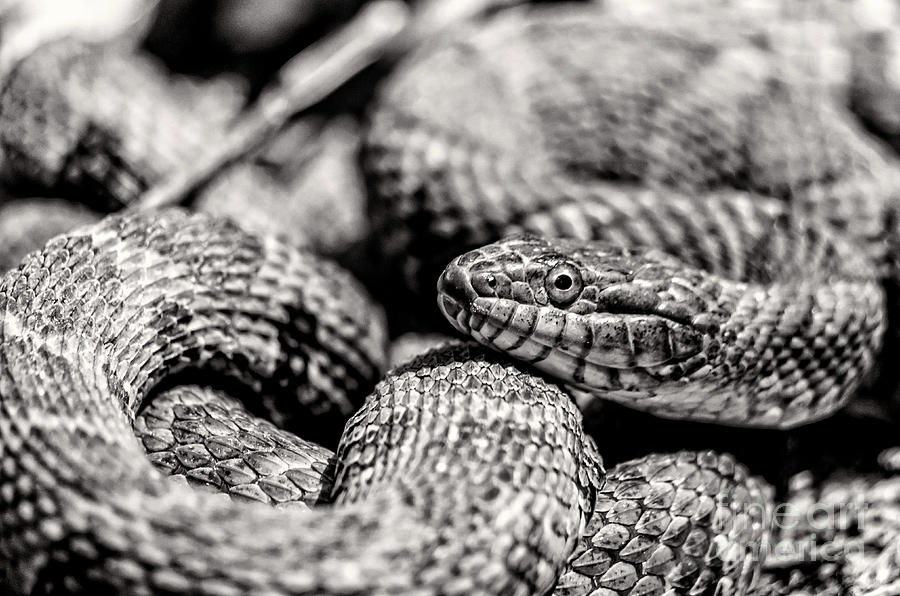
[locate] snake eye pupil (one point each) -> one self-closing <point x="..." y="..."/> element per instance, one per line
<point x="562" y="282"/>
<point x="492" y="281"/>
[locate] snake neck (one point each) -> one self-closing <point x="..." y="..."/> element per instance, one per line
<point x="783" y="342"/>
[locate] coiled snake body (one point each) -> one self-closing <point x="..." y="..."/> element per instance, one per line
<point x="705" y="143"/>
<point x="152" y="294"/>
<point x="462" y="473"/>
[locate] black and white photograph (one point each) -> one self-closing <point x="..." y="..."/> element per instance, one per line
<point x="450" y="297"/>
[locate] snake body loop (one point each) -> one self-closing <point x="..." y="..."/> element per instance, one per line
<point x="708" y="144"/>
<point x="210" y="438"/>
<point x="683" y="523"/>
<point x="444" y="483"/>
<point x="588" y="124"/>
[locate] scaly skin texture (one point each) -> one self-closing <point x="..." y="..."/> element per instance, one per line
<point x="778" y="348"/>
<point x="692" y="523"/>
<point x="847" y="525"/>
<point x="493" y="503"/>
<point x="213" y="441"/>
<point x="719" y="142"/>
<point x="459" y="475"/>
<point x="693" y="105"/>
<point x="26" y="224"/>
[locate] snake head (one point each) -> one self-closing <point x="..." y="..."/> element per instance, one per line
<point x="593" y="315"/>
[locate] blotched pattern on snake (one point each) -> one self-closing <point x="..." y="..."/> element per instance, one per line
<point x="760" y="302"/>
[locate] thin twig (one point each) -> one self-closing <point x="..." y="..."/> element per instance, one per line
<point x="304" y="81"/>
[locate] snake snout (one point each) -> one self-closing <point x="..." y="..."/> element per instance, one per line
<point x="455" y="293"/>
<point x="456" y="284"/>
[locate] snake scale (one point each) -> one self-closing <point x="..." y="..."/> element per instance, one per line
<point x="677" y="217"/>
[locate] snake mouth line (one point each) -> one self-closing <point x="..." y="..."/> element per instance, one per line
<point x="569" y="365"/>
<point x="455" y="291"/>
<point x="572" y="349"/>
<point x="634" y="352"/>
<point x="454" y="311"/>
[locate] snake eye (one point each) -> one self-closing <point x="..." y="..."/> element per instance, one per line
<point x="563" y="284"/>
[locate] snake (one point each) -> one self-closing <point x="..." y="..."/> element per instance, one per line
<point x="464" y="470"/>
<point x="677" y="215"/>
<point x="155" y="293"/>
<point x="561" y="143"/>
<point x="770" y="210"/>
